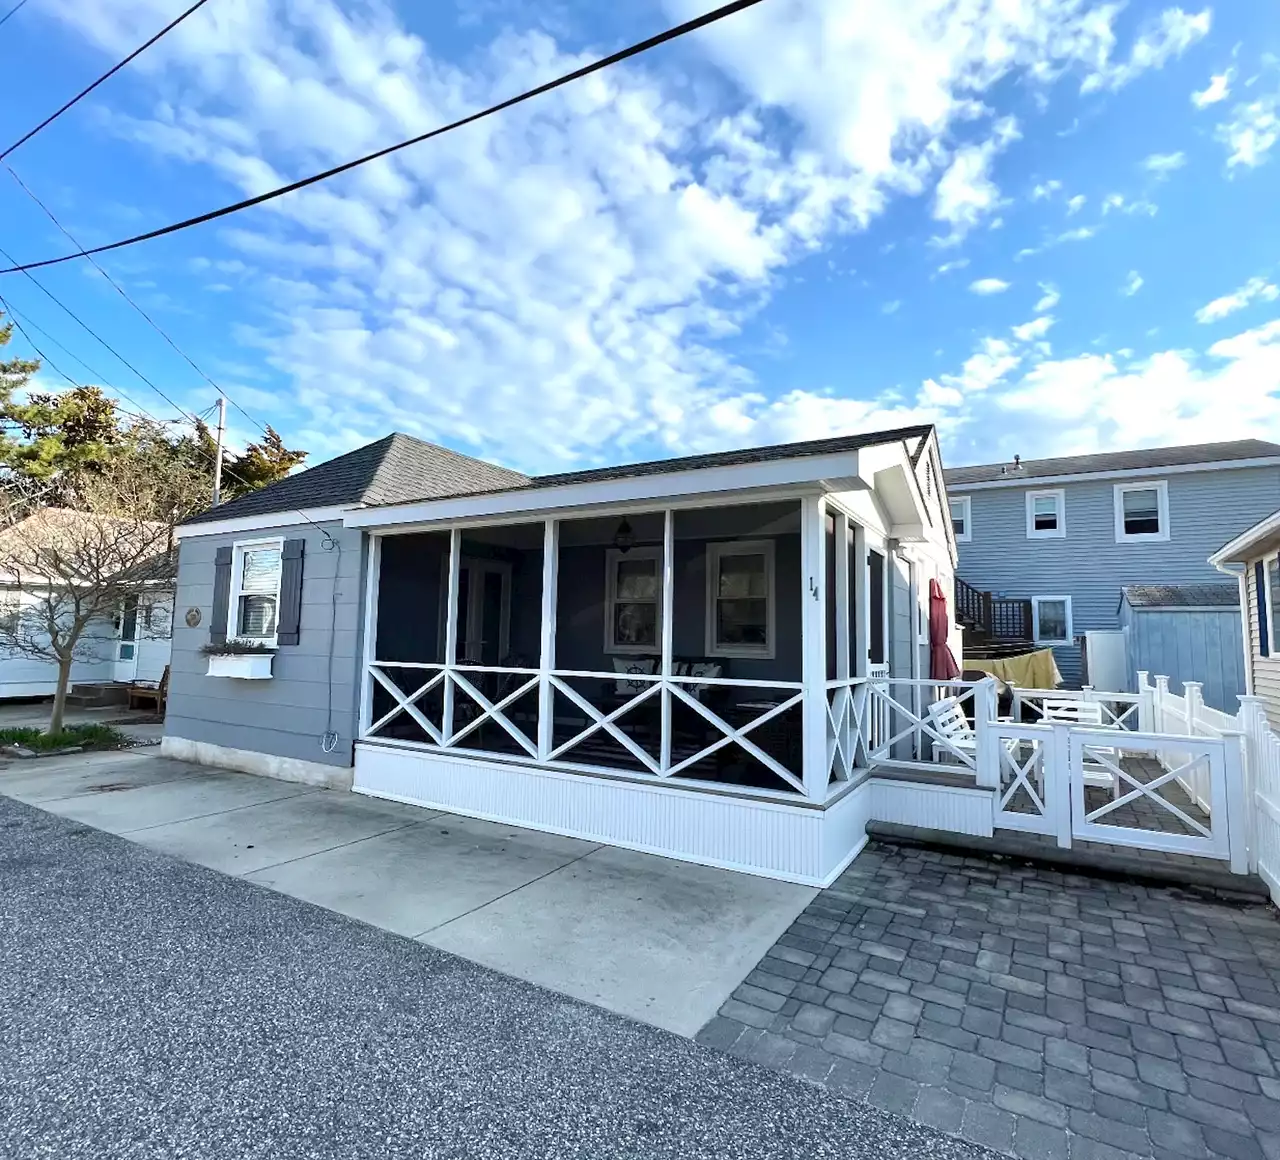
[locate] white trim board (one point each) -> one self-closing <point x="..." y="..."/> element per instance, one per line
<point x="261" y="523"/>
<point x="1236" y="551"/>
<point x="1016" y="480"/>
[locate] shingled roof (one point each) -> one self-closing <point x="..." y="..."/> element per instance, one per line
<point x="1182" y="595"/>
<point x="396" y="469"/>
<point x="402" y="469"/>
<point x="1113" y="461"/>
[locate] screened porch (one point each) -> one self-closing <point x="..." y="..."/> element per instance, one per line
<point x="688" y="645"/>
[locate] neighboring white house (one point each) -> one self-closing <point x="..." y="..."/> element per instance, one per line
<point x="130" y="645"/>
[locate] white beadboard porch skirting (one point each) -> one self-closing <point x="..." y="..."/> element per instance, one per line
<point x="794" y="842"/>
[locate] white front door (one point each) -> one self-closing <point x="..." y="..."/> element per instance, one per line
<point x="126" y="664"/>
<point x="484" y="611"/>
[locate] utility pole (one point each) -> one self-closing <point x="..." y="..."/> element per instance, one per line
<point x="217" y="461"/>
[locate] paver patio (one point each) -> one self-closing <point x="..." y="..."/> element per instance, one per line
<point x="1042" y="1014"/>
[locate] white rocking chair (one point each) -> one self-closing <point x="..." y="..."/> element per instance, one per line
<point x="1089" y="715"/>
<point x="948" y="719"/>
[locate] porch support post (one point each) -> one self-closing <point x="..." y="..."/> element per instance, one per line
<point x="451" y="632"/>
<point x="547" y="650"/>
<point x="372" y="576"/>
<point x="668" y="628"/>
<point x="813" y="636"/>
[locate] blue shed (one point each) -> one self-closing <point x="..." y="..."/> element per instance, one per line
<point x="1186" y="632"/>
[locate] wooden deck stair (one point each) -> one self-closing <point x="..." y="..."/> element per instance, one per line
<point x="995" y="626"/>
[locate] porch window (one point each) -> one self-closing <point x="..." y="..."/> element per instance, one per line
<point x="1046" y="514"/>
<point x="633" y="600"/>
<point x="1051" y="619"/>
<point x="1142" y="511"/>
<point x="255" y="590"/>
<point x="740" y="599"/>
<point x="961" y="519"/>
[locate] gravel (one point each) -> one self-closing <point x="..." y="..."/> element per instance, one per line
<point x="150" y="1008"/>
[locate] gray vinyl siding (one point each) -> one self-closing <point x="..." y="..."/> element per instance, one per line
<point x="287" y="715"/>
<point x="1266" y="670"/>
<point x="1187" y="644"/>
<point x="1206" y="509"/>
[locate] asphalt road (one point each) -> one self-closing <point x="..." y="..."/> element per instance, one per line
<point x="151" y="1008"/>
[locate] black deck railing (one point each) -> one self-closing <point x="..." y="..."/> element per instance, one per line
<point x="996" y="617"/>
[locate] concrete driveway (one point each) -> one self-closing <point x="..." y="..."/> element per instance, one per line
<point x="661" y="941"/>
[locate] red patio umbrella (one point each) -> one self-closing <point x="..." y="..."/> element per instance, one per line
<point x="942" y="665"/>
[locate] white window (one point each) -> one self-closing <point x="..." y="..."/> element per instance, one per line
<point x="1051" y="619"/>
<point x="1046" y="514"/>
<point x="962" y="519"/>
<point x="1271" y="607"/>
<point x="1142" y="511"/>
<point x="10" y="609"/>
<point x="633" y="600"/>
<point x="740" y="599"/>
<point x="254" y="604"/>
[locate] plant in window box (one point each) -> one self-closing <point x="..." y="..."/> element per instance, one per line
<point x="249" y="660"/>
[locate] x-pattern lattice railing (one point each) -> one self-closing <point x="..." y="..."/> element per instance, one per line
<point x="1020" y="782"/>
<point x="918" y="725"/>
<point x="846" y="714"/>
<point x="457" y="728"/>
<point x="1148" y="789"/>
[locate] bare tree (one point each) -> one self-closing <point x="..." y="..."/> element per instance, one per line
<point x="67" y="574"/>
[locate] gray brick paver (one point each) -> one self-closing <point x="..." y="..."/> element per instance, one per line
<point x="1043" y="1014"/>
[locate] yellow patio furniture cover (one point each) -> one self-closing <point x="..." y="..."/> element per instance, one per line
<point x="1033" y="670"/>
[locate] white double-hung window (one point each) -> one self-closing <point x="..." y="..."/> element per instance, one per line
<point x="633" y="600"/>
<point x="1142" y="511"/>
<point x="962" y="519"/>
<point x="1051" y="620"/>
<point x="1046" y="514"/>
<point x="255" y="591"/>
<point x="740" y="599"/>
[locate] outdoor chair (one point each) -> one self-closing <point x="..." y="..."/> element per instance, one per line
<point x="150" y="694"/>
<point x="1087" y="714"/>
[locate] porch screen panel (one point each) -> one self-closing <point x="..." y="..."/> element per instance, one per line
<point x="737" y="606"/>
<point x="829" y="558"/>
<point x="499" y="629"/>
<point x="877" y="606"/>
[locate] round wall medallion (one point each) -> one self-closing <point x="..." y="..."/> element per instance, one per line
<point x="193" y="617"/>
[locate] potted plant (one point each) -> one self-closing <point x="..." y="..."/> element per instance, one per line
<point x="247" y="660"/>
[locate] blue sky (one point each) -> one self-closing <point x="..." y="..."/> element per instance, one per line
<point x="1047" y="227"/>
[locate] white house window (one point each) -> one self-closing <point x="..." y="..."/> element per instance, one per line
<point x="1142" y="511"/>
<point x="1051" y="619"/>
<point x="740" y="599"/>
<point x="1272" y="603"/>
<point x="10" y="609"/>
<point x="255" y="590"/>
<point x="633" y="600"/>
<point x="1046" y="514"/>
<point x="962" y="519"/>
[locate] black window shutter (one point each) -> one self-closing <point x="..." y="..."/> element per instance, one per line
<point x="221" y="595"/>
<point x="290" y="592"/>
<point x="1260" y="591"/>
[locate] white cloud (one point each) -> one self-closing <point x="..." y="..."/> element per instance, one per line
<point x="1159" y="41"/>
<point x="1050" y="298"/>
<point x="1076" y="204"/>
<point x="1132" y="284"/>
<point x="1118" y="202"/>
<point x="986" y="286"/>
<point x="891" y="307"/>
<point x="1037" y="328"/>
<point x="954" y="264"/>
<point x="1045" y="190"/>
<point x="1251" y="132"/>
<point x="552" y="285"/>
<point x="1254" y="290"/>
<point x="1162" y="164"/>
<point x="966" y="192"/>
<point x="1218" y="89"/>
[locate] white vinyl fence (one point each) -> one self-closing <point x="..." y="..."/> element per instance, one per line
<point x="1189" y="715"/>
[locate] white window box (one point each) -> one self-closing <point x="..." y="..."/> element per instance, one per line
<point x="245" y="666"/>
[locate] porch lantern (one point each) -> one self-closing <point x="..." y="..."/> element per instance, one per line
<point x="624" y="538"/>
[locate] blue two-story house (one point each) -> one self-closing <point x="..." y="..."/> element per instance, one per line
<point x="1067" y="535"/>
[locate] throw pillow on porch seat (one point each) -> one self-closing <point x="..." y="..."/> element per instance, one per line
<point x="635" y="666"/>
<point x="710" y="669"/>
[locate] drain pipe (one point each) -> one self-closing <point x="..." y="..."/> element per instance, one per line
<point x="1241" y="573"/>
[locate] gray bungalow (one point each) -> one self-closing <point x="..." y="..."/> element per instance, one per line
<point x="670" y="656"/>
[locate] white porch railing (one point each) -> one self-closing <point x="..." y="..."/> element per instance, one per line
<point x="1117" y="710"/>
<point x="549" y="735"/>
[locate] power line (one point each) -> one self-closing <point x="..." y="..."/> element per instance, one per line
<point x="105" y="76"/>
<point x="19" y="5"/>
<point x="124" y="294"/>
<point x="605" y="62"/>
<point x="95" y="335"/>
